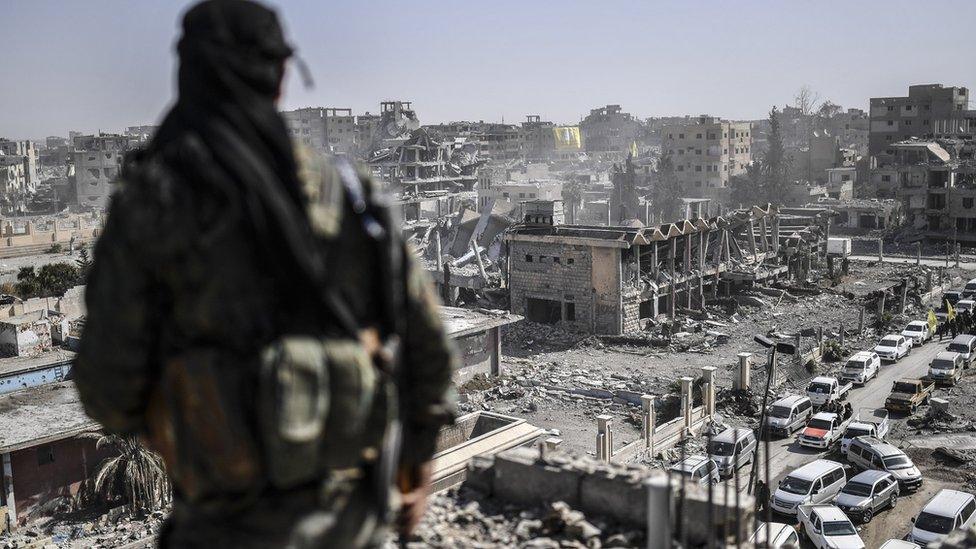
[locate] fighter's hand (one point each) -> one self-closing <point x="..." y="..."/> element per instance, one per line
<point x="414" y="484"/>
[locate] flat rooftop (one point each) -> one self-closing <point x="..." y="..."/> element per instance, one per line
<point x="462" y="322"/>
<point x="21" y="364"/>
<point x="40" y="415"/>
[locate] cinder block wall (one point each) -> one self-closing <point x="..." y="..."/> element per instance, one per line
<point x="557" y="272"/>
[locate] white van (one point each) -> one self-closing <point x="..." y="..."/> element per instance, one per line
<point x="964" y="345"/>
<point x="732" y="448"/>
<point x="949" y="510"/>
<point x="970" y="289"/>
<point x="780" y="535"/>
<point x="788" y="414"/>
<point x="815" y="482"/>
<point x="965" y="305"/>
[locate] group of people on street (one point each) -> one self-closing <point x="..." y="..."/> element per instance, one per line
<point x="845" y="411"/>
<point x="962" y="322"/>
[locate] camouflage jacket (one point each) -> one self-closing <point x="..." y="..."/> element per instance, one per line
<point x="175" y="268"/>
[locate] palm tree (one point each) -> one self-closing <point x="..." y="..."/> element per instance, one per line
<point x="136" y="475"/>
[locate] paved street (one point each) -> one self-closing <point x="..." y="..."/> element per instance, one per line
<point x="964" y="263"/>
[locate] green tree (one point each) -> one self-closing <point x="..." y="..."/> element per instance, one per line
<point x="27" y="285"/>
<point x="748" y="188"/>
<point x="83" y="264"/>
<point x="775" y="165"/>
<point x="50" y="280"/>
<point x="573" y="196"/>
<point x="667" y="191"/>
<point x="135" y="476"/>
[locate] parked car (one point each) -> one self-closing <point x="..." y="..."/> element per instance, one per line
<point x="861" y="367"/>
<point x="917" y="332"/>
<point x="869" y="422"/>
<point x="874" y="453"/>
<point x="732" y="448"/>
<point x="899" y="544"/>
<point x="969" y="290"/>
<point x="828" y="526"/>
<point x="822" y="390"/>
<point x="780" y="535"/>
<point x="908" y="394"/>
<point x="893" y="347"/>
<point x="815" y="482"/>
<point x="953" y="296"/>
<point x="823" y="430"/>
<point x="788" y="414"/>
<point x="966" y="346"/>
<point x="965" y="305"/>
<point x="699" y="470"/>
<point x="946" y="368"/>
<point x="947" y="511"/>
<point x="867" y="493"/>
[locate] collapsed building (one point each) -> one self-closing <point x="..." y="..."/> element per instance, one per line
<point x="606" y="280"/>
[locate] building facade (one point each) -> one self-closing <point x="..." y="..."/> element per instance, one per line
<point x="97" y="159"/>
<point x="929" y="110"/>
<point x="706" y="152"/>
<point x="608" y="131"/>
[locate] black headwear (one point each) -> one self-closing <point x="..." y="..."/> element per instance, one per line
<point x="232" y="56"/>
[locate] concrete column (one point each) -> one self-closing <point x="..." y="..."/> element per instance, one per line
<point x="708" y="373"/>
<point x="880" y="249"/>
<point x="659" y="512"/>
<point x="552" y="443"/>
<point x="762" y="229"/>
<point x="840" y="332"/>
<point x="752" y="240"/>
<point x="958" y="249"/>
<point x="604" y="438"/>
<point x="904" y="295"/>
<point x="495" y="350"/>
<point x="860" y="321"/>
<point x="647" y="421"/>
<point x="745" y="365"/>
<point x="686" y="400"/>
<point x="655" y="265"/>
<point x="672" y="302"/>
<point x="701" y="251"/>
<point x="8" y="482"/>
<point x="687" y="254"/>
<point x="776" y="233"/>
<point x="918" y="253"/>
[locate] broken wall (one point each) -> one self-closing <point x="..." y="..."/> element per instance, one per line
<point x="560" y="273"/>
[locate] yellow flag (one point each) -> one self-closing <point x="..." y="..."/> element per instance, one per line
<point x="633" y="148"/>
<point x="933" y="321"/>
<point x="950" y="312"/>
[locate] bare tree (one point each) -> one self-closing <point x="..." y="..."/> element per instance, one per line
<point x="806" y="100"/>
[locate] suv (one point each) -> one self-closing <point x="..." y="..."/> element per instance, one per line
<point x="867" y="493"/>
<point x="874" y="453"/>
<point x="965" y="345"/>
<point x="946" y="368"/>
<point x="949" y="510"/>
<point x="893" y="347"/>
<point x="917" y="331"/>
<point x="861" y="367"/>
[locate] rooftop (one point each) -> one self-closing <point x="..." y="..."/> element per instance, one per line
<point x="462" y="322"/>
<point x="40" y="415"/>
<point x="21" y="364"/>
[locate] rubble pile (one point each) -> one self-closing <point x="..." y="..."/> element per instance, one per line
<point x="113" y="529"/>
<point x="466" y="519"/>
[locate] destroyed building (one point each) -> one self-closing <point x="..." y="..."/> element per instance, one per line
<point x="96" y="160"/>
<point x="608" y="132"/>
<point x="706" y="152"/>
<point x="331" y="130"/>
<point x="929" y="111"/>
<point x="605" y="280"/>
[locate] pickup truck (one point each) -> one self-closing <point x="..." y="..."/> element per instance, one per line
<point x="827" y="389"/>
<point x="869" y="422"/>
<point x="823" y="430"/>
<point x="907" y="394"/>
<point x="828" y="526"/>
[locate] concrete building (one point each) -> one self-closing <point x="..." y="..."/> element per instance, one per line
<point x="608" y="132"/>
<point x="27" y="153"/>
<point x="706" y="152"/>
<point x="841" y="182"/>
<point x="97" y="159"/>
<point x="538" y="138"/>
<point x="929" y="110"/>
<point x="477" y="336"/>
<point x="810" y="162"/>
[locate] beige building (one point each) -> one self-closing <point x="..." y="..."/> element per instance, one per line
<point x="706" y="151"/>
<point x="97" y="159"/>
<point x="929" y="110"/>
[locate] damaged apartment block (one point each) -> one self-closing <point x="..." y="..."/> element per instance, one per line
<point x="607" y="280"/>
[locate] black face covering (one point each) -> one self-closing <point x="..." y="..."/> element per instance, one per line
<point x="232" y="56"/>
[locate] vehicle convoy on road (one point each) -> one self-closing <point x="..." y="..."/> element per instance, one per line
<point x="966" y="346"/>
<point x="907" y="394"/>
<point x="893" y="347"/>
<point x="815" y="482"/>
<point x="874" y="453"/>
<point x="867" y="493"/>
<point x="869" y="422"/>
<point x="946" y="368"/>
<point x="947" y="511"/>
<point x="822" y="390"/>
<point x="918" y="332"/>
<point x="788" y="414"/>
<point x="826" y="526"/>
<point x="861" y="367"/>
<point x="699" y="470"/>
<point x="823" y="430"/>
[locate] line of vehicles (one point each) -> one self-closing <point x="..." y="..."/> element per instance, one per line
<point x="819" y="496"/>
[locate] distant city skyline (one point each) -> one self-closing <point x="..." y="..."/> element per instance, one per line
<point x="108" y="64"/>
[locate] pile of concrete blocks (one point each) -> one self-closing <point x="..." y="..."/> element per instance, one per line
<point x="628" y="494"/>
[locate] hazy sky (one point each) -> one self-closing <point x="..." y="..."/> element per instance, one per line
<point x="106" y="64"/>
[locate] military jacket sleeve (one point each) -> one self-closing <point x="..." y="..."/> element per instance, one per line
<point x="428" y="361"/>
<point x="113" y="368"/>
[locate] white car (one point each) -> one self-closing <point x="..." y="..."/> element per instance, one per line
<point x="917" y="332"/>
<point x="965" y="305"/>
<point x="899" y="544"/>
<point x="828" y="526"/>
<point x="780" y="535"/>
<point x="861" y="367"/>
<point x="947" y="511"/>
<point x="699" y="470"/>
<point x="893" y="347"/>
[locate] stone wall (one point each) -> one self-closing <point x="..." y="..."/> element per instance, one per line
<point x="557" y="272"/>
